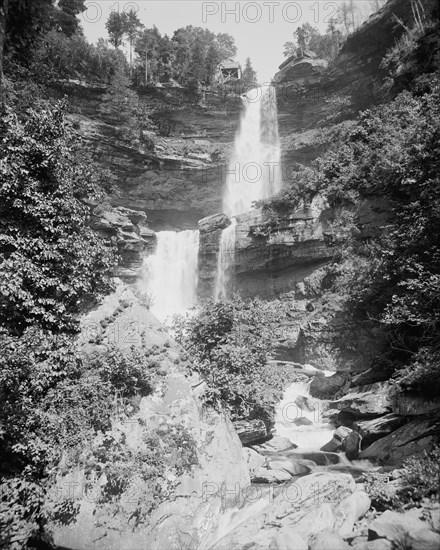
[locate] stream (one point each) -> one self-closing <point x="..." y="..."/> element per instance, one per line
<point x="299" y="419"/>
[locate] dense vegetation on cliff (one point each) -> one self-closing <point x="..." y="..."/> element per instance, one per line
<point x="55" y="397"/>
<point x="390" y="281"/>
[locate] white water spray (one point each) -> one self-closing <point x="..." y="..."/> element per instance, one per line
<point x="299" y="418"/>
<point x="170" y="275"/>
<point x="225" y="260"/>
<point x="254" y="169"/>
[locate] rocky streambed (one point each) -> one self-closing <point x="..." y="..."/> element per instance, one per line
<point x="306" y="493"/>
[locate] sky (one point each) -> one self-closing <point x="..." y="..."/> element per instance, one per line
<point x="260" y="28"/>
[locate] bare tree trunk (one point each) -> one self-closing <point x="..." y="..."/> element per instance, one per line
<point x="146" y="66"/>
<point x="3" y="16"/>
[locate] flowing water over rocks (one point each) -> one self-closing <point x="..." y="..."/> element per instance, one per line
<point x="254" y="169"/>
<point x="170" y="275"/>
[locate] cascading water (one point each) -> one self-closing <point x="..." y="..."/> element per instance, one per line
<point x="298" y="417"/>
<point x="253" y="174"/>
<point x="170" y="275"/>
<point x="254" y="169"/>
<point x="225" y="260"/>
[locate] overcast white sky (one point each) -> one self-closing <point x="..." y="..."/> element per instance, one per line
<point x="259" y="28"/>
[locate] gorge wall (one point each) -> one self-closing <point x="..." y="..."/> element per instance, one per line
<point x="180" y="181"/>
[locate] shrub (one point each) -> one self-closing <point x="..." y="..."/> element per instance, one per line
<point x="421" y="476"/>
<point x="231" y="341"/>
<point x="128" y="372"/>
<point x="51" y="262"/>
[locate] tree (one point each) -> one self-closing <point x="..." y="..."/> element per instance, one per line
<point x="22" y="23"/>
<point x="198" y="61"/>
<point x="309" y="38"/>
<point x="212" y="62"/>
<point x="302" y="37"/>
<point x="116" y="28"/>
<point x="194" y="46"/>
<point x="132" y="26"/>
<point x="68" y="11"/>
<point x="249" y="75"/>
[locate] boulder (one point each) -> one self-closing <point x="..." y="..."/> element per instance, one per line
<point x="349" y="510"/>
<point x="434" y="517"/>
<point x="326" y="387"/>
<point x="366" y="401"/>
<point x="304" y="507"/>
<point x="214" y="222"/>
<point x="137" y="217"/>
<point x="274" y="445"/>
<point x="303" y="421"/>
<point x="250" y="431"/>
<point x="374" y="429"/>
<point x="414" y="437"/>
<point x="320" y="458"/>
<point x="337" y="440"/>
<point x="289" y="466"/>
<point x="406" y="528"/>
<point x="304" y="403"/>
<point x="253" y="459"/>
<point x="327" y="540"/>
<point x="262" y="475"/>
<point x="344" y="439"/>
<point x="287" y="538"/>
<point x="371" y="376"/>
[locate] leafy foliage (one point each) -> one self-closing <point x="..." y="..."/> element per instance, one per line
<point x="231" y="342"/>
<point x="51" y="263"/>
<point x="418" y="480"/>
<point x="58" y="56"/>
<point x="391" y="152"/>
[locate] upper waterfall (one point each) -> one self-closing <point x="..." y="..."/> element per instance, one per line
<point x="170" y="275"/>
<point x="254" y="169"/>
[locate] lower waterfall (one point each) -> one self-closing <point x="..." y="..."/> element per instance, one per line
<point x="170" y="275"/>
<point x="225" y="260"/>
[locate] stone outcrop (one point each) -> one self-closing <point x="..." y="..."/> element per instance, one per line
<point x="267" y="263"/>
<point x="411" y="438"/>
<point x="130" y="230"/>
<point x="406" y="528"/>
<point x="305" y="69"/>
<point x="195" y="496"/>
<point x="251" y="431"/>
<point x="178" y="179"/>
<point x="366" y="401"/>
<point x="371" y="430"/>
<point x="326" y="387"/>
<point x="299" y="509"/>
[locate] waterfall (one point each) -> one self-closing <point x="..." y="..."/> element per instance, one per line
<point x="225" y="260"/>
<point x="254" y="171"/>
<point x="299" y="417"/>
<point x="170" y="275"/>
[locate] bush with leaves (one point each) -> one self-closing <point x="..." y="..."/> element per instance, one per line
<point x="51" y="262"/>
<point x="231" y="342"/>
<point x="419" y="479"/>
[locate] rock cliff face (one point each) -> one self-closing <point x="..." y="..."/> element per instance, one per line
<point x="133" y="237"/>
<point x="179" y="181"/>
<point x="195" y="497"/>
<point x="269" y="261"/>
<point x="305" y="89"/>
